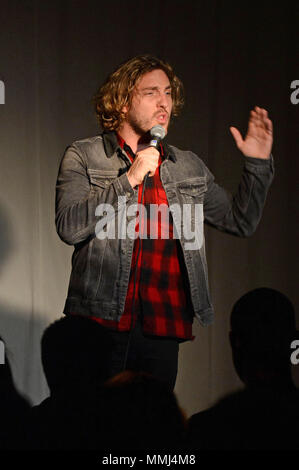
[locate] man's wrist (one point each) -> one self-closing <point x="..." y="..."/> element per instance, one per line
<point x="259" y="161"/>
<point x="132" y="181"/>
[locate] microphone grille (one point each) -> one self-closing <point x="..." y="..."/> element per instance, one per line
<point x="157" y="132"/>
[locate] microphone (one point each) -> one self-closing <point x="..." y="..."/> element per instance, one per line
<point x="157" y="133"/>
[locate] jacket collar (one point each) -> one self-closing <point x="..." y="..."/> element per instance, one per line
<point x="111" y="146"/>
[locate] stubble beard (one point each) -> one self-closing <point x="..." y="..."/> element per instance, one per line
<point x="142" y="126"/>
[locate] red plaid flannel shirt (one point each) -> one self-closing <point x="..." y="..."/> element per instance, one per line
<point x="162" y="299"/>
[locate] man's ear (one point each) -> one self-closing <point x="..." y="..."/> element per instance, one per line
<point x="125" y="109"/>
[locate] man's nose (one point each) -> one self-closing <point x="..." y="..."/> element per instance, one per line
<point x="162" y="100"/>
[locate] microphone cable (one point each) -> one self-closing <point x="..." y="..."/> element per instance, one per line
<point x="135" y="279"/>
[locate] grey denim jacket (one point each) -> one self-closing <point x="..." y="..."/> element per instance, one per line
<point x="93" y="172"/>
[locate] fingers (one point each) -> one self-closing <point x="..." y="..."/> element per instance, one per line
<point x="259" y="118"/>
<point x="149" y="151"/>
<point x="237" y="136"/>
<point x="145" y="162"/>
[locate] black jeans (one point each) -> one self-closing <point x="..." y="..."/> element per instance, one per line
<point x="152" y="354"/>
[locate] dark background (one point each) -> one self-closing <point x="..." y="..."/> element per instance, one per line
<point x="54" y="55"/>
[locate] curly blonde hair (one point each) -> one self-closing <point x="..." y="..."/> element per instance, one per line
<point x="117" y="90"/>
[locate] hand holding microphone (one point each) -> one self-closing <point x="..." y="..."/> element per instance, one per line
<point x="146" y="161"/>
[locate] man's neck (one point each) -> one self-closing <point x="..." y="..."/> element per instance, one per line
<point x="130" y="137"/>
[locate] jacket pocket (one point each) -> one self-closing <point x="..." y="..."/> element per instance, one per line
<point x="190" y="221"/>
<point x="192" y="191"/>
<point x="101" y="178"/>
<point x="195" y="187"/>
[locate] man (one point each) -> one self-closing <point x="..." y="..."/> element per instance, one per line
<point x="265" y="414"/>
<point x="73" y="351"/>
<point x="155" y="285"/>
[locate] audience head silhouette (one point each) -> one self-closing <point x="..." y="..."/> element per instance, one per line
<point x="73" y="352"/>
<point x="265" y="414"/>
<point x="141" y="413"/>
<point x="262" y="329"/>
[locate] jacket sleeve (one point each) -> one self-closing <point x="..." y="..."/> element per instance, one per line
<point x="239" y="214"/>
<point x="76" y="203"/>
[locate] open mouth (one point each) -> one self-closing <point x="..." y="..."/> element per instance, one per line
<point x="163" y="117"/>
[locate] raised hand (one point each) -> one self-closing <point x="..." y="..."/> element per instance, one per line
<point x="259" y="137"/>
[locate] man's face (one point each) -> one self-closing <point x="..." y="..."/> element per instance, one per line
<point x="151" y="103"/>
